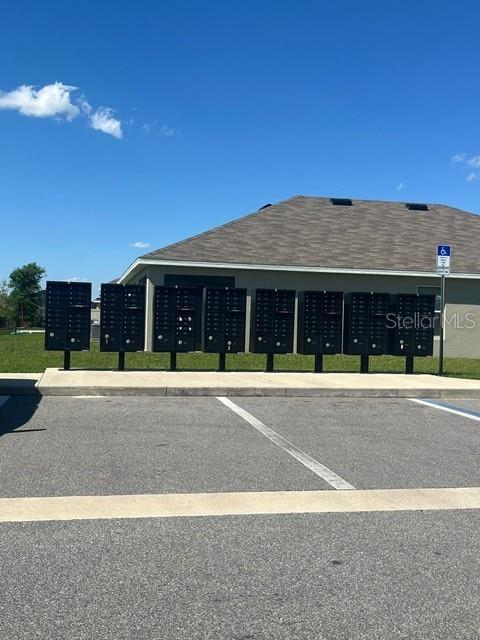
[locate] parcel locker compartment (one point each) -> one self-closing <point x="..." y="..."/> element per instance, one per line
<point x="164" y="340"/>
<point x="424" y="342"/>
<point x="132" y="341"/>
<point x="78" y="340"/>
<point x="110" y="340"/>
<point x="55" y="337"/>
<point x="263" y="343"/>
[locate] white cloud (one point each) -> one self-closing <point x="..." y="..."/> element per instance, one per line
<point x="474" y="162"/>
<point x="55" y="101"/>
<point x="85" y="106"/>
<point x="140" y="245"/>
<point x="155" y="129"/>
<point x="166" y="131"/>
<point x="401" y="186"/>
<point x="102" y="120"/>
<point x="471" y="177"/>
<point x="52" y="100"/>
<point x="458" y="157"/>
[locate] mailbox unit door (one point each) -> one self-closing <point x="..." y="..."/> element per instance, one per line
<point x="356" y="323"/>
<point x="122" y="317"/>
<point x="414" y="327"/>
<point x="273" y="320"/>
<point x="320" y="322"/>
<point x="68" y="316"/>
<point x="177" y="318"/>
<point x="133" y="321"/>
<point x="111" y="312"/>
<point x="378" y="324"/>
<point x="224" y="327"/>
<point x="366" y="327"/>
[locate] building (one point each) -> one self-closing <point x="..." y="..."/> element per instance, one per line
<point x="334" y="244"/>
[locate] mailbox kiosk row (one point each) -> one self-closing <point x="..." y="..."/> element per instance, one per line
<point x="213" y="319"/>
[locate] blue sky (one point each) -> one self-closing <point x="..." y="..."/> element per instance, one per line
<point x="189" y="114"/>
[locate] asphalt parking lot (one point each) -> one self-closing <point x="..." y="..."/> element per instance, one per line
<point x="347" y="575"/>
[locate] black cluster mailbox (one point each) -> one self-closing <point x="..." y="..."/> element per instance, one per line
<point x="366" y="325"/>
<point x="413" y="317"/>
<point x="320" y="316"/>
<point x="177" y="320"/>
<point x="67" y="317"/>
<point x="122" y="319"/>
<point x="224" y="327"/>
<point x="273" y="322"/>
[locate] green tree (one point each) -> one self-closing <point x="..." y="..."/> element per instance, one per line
<point x="5" y="305"/>
<point x="25" y="293"/>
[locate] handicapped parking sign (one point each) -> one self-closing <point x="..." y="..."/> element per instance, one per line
<point x="444" y="253"/>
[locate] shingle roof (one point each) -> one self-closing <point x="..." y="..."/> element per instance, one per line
<point x="313" y="232"/>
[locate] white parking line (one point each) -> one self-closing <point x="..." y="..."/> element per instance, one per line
<point x="448" y="408"/>
<point x="3" y="400"/>
<point x="319" y="469"/>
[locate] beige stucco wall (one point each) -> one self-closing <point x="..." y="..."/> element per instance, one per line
<point x="462" y="331"/>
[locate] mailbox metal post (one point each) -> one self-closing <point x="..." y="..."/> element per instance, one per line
<point x="121" y="360"/>
<point x="409" y="364"/>
<point x="364" y="363"/>
<point x="270" y="363"/>
<point x="66" y="360"/>
<point x="221" y="361"/>
<point x="318" y="368"/>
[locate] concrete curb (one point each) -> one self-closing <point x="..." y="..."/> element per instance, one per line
<point x="260" y="392"/>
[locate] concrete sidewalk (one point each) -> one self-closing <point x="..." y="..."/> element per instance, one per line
<point x="252" y="383"/>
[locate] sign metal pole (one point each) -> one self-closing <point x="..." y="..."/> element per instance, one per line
<point x="442" y="324"/>
<point x="444" y="253"/>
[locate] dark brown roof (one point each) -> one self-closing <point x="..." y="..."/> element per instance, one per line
<point x="313" y="232"/>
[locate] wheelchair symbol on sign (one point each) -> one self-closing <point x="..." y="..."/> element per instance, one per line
<point x="443" y="251"/>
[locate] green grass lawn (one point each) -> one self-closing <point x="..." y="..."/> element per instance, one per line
<point x="25" y="354"/>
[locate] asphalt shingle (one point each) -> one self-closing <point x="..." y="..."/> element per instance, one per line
<point x="313" y="232"/>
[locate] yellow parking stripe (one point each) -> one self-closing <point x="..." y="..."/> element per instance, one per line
<point x="242" y="503"/>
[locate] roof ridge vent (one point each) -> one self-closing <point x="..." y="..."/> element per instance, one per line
<point x="265" y="206"/>
<point x="344" y="202"/>
<point x="416" y="206"/>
